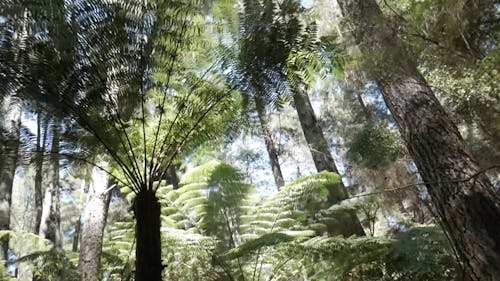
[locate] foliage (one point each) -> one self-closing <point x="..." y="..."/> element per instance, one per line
<point x="422" y="253"/>
<point x="375" y="146"/>
<point x="3" y="272"/>
<point x="456" y="43"/>
<point x="458" y="31"/>
<point x="137" y="80"/>
<point x="118" y="253"/>
<point x="48" y="262"/>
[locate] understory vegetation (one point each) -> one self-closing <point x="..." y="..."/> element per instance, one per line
<point x="224" y="140"/>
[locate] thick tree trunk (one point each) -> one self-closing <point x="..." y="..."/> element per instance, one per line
<point x="94" y="221"/>
<point x="464" y="197"/>
<point x="11" y="125"/>
<point x="148" y="265"/>
<point x="270" y="147"/>
<point x="349" y="223"/>
<point x="50" y="223"/>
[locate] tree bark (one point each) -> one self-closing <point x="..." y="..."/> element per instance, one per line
<point x="41" y="140"/>
<point x="270" y="147"/>
<point x="349" y="223"/>
<point x="92" y="232"/>
<point x="318" y="146"/>
<point x="172" y="177"/>
<point x="77" y="235"/>
<point x="50" y="224"/>
<point x="11" y="129"/>
<point x="466" y="201"/>
<point x="148" y="265"/>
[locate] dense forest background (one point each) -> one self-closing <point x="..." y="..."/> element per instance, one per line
<point x="249" y="140"/>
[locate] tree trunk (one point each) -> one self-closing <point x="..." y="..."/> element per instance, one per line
<point x="349" y="223"/>
<point x="50" y="224"/>
<point x="11" y="129"/>
<point x="172" y="177"/>
<point x="364" y="109"/>
<point x="148" y="265"/>
<point x="41" y="140"/>
<point x="464" y="197"/>
<point x="77" y="235"/>
<point x="313" y="133"/>
<point x="94" y="221"/>
<point x="270" y="147"/>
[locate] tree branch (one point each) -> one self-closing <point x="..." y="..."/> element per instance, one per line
<point x="475" y="175"/>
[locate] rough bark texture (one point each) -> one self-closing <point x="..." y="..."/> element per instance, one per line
<point x="148" y="265"/>
<point x="92" y="232"/>
<point x="465" y="199"/>
<point x="349" y="223"/>
<point x="50" y="224"/>
<point x="10" y="146"/>
<point x="270" y="147"/>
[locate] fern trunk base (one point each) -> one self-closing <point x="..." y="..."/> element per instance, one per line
<point x="148" y="248"/>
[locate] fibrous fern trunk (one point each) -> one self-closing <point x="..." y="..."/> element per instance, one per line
<point x="94" y="221"/>
<point x="9" y="149"/>
<point x="270" y="147"/>
<point x="323" y="160"/>
<point x="148" y="265"/>
<point x="466" y="201"/>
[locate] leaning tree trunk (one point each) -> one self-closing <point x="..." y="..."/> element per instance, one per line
<point x="10" y="138"/>
<point x="349" y="224"/>
<point x="464" y="197"/>
<point x="92" y="232"/>
<point x="50" y="223"/>
<point x="270" y="147"/>
<point x="148" y="265"/>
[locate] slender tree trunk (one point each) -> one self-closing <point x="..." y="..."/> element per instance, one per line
<point x="50" y="225"/>
<point x="77" y="235"/>
<point x="364" y="109"/>
<point x="11" y="126"/>
<point x="318" y="146"/>
<point x="323" y="160"/>
<point x="41" y="140"/>
<point x="270" y="147"/>
<point x="94" y="221"/>
<point x="148" y="265"/>
<point x="464" y="197"/>
<point x="172" y="177"/>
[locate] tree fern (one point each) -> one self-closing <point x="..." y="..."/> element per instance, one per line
<point x="47" y="262"/>
<point x="277" y="238"/>
<point x="118" y="254"/>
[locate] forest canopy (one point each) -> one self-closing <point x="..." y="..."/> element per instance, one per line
<point x="230" y="140"/>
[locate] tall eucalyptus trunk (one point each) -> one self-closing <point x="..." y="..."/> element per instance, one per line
<point x="318" y="146"/>
<point x="270" y="147"/>
<point x="11" y="124"/>
<point x="464" y="197"/>
<point x="94" y="221"/>
<point x="148" y="265"/>
<point x="50" y="224"/>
